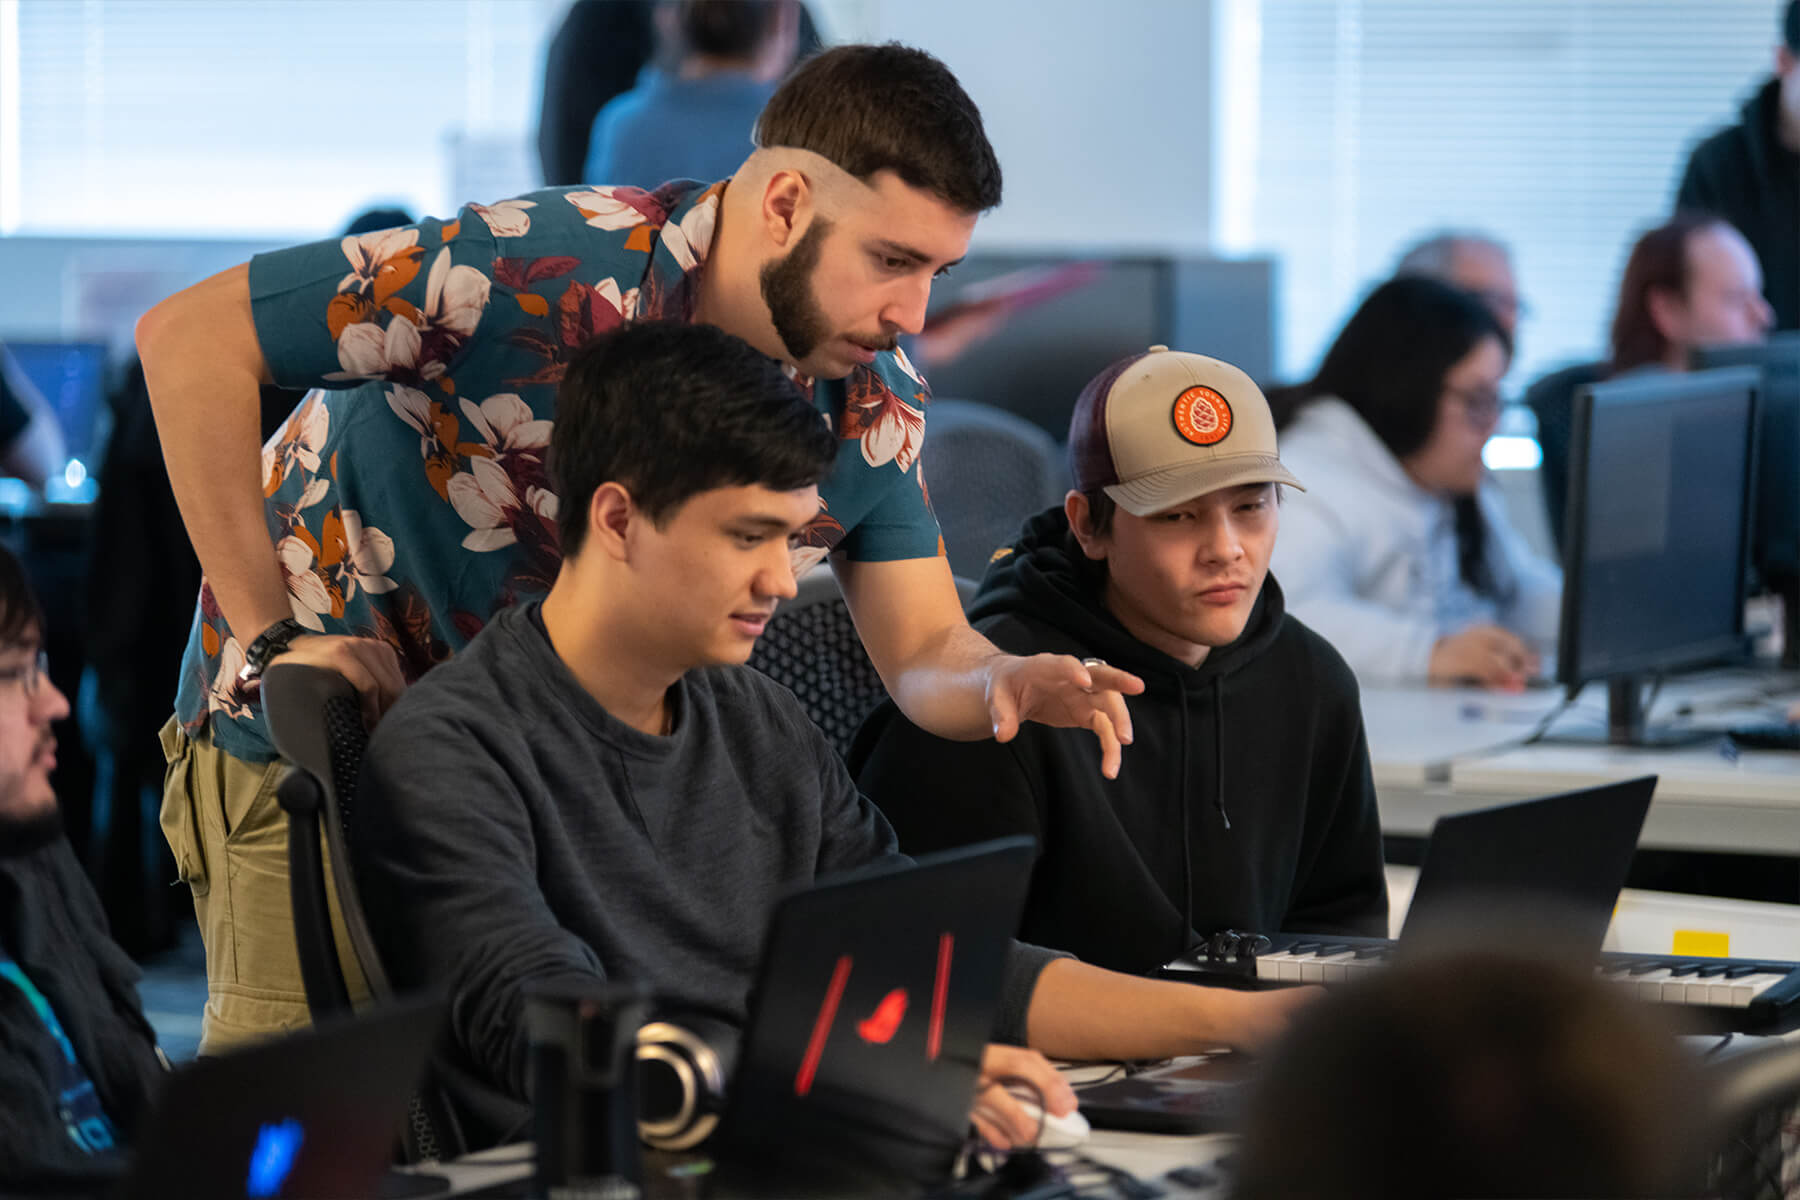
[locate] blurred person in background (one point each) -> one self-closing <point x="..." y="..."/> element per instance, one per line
<point x="31" y="440"/>
<point x="1749" y="174"/>
<point x="1689" y="283"/>
<point x="1400" y="551"/>
<point x="595" y="55"/>
<point x="693" y="119"/>
<point x="1474" y="1069"/>
<point x="1475" y="262"/>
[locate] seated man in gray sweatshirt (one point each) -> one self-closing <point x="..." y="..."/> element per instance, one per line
<point x="596" y="787"/>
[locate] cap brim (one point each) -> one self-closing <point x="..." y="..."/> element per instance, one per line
<point x="1164" y="489"/>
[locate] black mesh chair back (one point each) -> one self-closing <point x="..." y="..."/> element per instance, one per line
<point x="1755" y="1119"/>
<point x="811" y="647"/>
<point x="316" y="724"/>
<point x="1552" y="401"/>
<point x="987" y="470"/>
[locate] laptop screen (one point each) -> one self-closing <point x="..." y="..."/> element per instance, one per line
<point x="876" y="997"/>
<point x="1571" y="851"/>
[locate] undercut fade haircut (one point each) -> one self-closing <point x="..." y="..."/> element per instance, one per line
<point x="890" y="107"/>
<point x="21" y="620"/>
<point x="667" y="411"/>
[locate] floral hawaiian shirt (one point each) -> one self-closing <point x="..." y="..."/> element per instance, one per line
<point x="408" y="498"/>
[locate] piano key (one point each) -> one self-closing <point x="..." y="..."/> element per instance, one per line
<point x="1315" y="971"/>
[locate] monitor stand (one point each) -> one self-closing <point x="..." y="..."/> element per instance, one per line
<point x="1788" y="588"/>
<point x="1625" y="725"/>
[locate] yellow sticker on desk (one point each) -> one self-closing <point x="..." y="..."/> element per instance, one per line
<point x="1701" y="943"/>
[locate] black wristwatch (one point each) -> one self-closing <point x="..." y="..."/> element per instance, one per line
<point x="269" y="645"/>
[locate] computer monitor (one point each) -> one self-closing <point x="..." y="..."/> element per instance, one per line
<point x="1662" y="475"/>
<point x="72" y="377"/>
<point x="1775" y="526"/>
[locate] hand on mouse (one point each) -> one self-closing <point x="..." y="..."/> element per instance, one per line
<point x="997" y="1114"/>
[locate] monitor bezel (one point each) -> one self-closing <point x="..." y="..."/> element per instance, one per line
<point x="1641" y="389"/>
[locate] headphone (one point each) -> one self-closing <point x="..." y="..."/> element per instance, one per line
<point x="683" y="1064"/>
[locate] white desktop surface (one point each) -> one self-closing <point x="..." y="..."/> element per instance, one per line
<point x="1436" y="751"/>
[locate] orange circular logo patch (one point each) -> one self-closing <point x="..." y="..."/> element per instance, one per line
<point x="1202" y="416"/>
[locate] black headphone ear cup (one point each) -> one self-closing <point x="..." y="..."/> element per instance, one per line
<point x="684" y="1065"/>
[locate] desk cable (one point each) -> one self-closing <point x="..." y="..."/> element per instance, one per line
<point x="1550" y="718"/>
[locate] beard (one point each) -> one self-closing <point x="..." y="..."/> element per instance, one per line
<point x="787" y="290"/>
<point x="22" y="835"/>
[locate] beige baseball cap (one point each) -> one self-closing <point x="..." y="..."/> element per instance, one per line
<point x="1157" y="429"/>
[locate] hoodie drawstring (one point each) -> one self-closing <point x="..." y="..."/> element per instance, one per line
<point x="1187" y="820"/>
<point x="1219" y="749"/>
<point x="1187" y="826"/>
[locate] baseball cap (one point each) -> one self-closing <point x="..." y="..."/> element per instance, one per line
<point x="1157" y="429"/>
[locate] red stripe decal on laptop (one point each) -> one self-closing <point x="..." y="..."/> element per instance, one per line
<point x="815" y="1046"/>
<point x="940" y="991"/>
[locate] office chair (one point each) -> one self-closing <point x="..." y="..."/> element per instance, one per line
<point x="811" y="647"/>
<point x="1552" y="401"/>
<point x="1754" y="1115"/>
<point x="316" y="724"/>
<point x="988" y="470"/>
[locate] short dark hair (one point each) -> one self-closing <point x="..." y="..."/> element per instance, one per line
<point x="725" y="28"/>
<point x="891" y="107"/>
<point x="1790" y="27"/>
<point x="669" y="410"/>
<point x="1101" y="509"/>
<point x="1659" y="262"/>
<point x="1479" y="1071"/>
<point x="21" y="620"/>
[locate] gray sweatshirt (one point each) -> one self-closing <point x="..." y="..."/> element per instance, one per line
<point x="511" y="831"/>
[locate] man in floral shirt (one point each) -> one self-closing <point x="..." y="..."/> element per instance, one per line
<point x="393" y="516"/>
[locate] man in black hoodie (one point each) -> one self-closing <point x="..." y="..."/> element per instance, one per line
<point x="1246" y="801"/>
<point x="78" y="1061"/>
<point x="1749" y="173"/>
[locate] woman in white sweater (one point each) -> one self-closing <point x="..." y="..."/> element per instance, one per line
<point x="1399" y="551"/>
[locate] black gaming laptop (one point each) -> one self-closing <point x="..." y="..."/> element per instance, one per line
<point x="316" y="1114"/>
<point x="876" y="996"/>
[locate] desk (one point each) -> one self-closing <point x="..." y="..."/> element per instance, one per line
<point x="1436" y="751"/>
<point x="506" y="1170"/>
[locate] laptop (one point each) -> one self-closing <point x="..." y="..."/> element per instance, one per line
<point x="315" y="1114"/>
<point x="1566" y="854"/>
<point x="876" y="994"/>
<point x="1571" y="852"/>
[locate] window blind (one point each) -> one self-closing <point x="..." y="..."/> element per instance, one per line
<point x="1560" y="126"/>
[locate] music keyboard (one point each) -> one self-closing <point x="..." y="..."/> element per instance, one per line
<point x="1743" y="995"/>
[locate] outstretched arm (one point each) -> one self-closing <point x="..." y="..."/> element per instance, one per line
<point x="951" y="681"/>
<point x="1082" y="1011"/>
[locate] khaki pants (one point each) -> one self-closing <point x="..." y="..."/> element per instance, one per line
<point x="229" y="837"/>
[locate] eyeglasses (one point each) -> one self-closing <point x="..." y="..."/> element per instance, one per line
<point x="30" y="675"/>
<point x="1480" y="405"/>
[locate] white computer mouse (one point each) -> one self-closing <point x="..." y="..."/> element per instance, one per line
<point x="1059" y="1133"/>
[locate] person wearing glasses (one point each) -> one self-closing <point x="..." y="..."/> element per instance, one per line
<point x="1400" y="552"/>
<point x="78" y="1061"/>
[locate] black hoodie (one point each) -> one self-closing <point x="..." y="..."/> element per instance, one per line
<point x="1747" y="176"/>
<point x="1255" y="761"/>
<point x="52" y="926"/>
